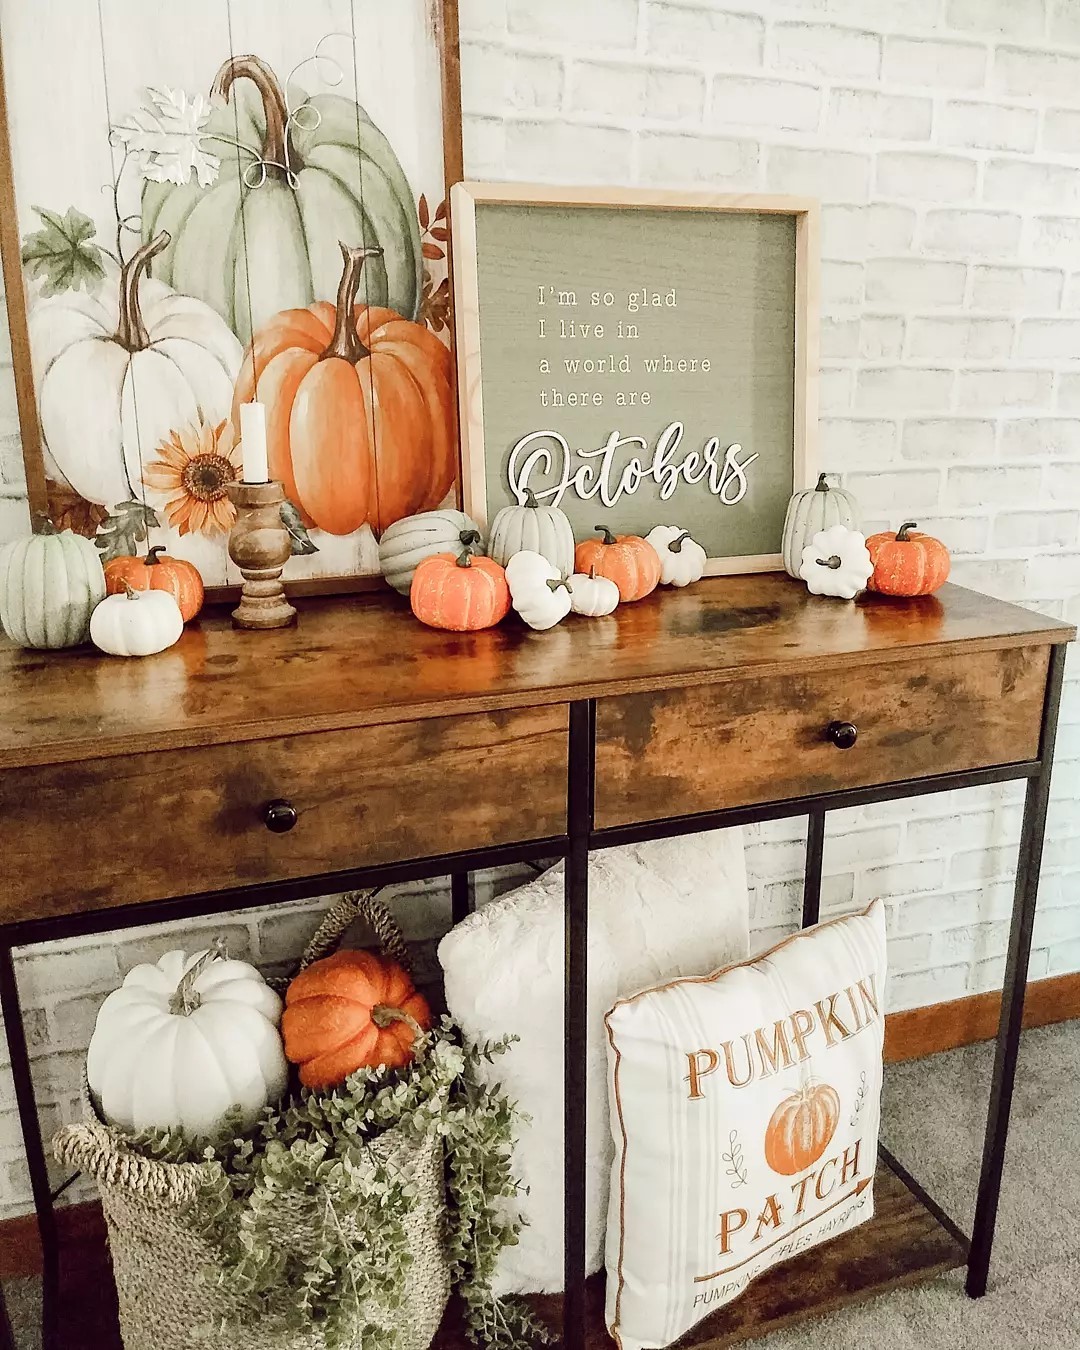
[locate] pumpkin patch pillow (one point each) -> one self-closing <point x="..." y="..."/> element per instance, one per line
<point x="745" y="1108"/>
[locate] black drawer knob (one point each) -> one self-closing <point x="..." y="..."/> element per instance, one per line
<point x="279" y="815"/>
<point x="842" y="734"/>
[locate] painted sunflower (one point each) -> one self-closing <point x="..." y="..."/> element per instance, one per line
<point x="193" y="470"/>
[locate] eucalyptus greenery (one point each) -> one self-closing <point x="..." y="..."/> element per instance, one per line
<point x="308" y="1167"/>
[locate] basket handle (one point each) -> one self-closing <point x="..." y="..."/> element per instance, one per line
<point x="101" y="1153"/>
<point x="352" y="906"/>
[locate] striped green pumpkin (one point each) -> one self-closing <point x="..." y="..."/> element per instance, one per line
<point x="406" y="543"/>
<point x="818" y="508"/>
<point x="49" y="586"/>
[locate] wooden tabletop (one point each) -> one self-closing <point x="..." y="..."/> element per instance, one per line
<point x="355" y="661"/>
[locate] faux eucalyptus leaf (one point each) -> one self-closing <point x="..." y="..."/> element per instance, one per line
<point x="300" y="541"/>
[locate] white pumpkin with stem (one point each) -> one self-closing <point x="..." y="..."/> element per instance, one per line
<point x="682" y="559"/>
<point x="538" y="590"/>
<point x="94" y="353"/>
<point x="532" y="528"/>
<point x="136" y="623"/>
<point x="591" y="595"/>
<point x="836" y="562"/>
<point x="407" y="542"/>
<point x="50" y="584"/>
<point x="182" y="1042"/>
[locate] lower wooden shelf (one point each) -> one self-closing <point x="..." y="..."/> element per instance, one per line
<point x="903" y="1244"/>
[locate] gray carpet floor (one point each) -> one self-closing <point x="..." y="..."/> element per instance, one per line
<point x="934" y="1116"/>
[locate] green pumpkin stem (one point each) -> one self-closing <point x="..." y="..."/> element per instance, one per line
<point x="834" y="563"/>
<point x="558" y="583"/>
<point x="822" y="484"/>
<point x="608" y="538"/>
<point x="902" y="532"/>
<point x="530" y="500"/>
<point x="346" y="340"/>
<point x="676" y="544"/>
<point x="277" y="152"/>
<point x="131" y="331"/>
<point x="186" y="998"/>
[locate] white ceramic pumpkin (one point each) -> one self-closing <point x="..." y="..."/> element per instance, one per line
<point x="49" y="585"/>
<point x="533" y="528"/>
<point x="94" y="353"/>
<point x="810" y="512"/>
<point x="836" y="562"/>
<point x="182" y="1042"/>
<point x="136" y="623"/>
<point x="406" y="543"/>
<point x="538" y="590"/>
<point x="682" y="559"/>
<point x="591" y="595"/>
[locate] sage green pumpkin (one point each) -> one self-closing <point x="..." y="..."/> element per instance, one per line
<point x="533" y="528"/>
<point x="322" y="174"/>
<point x="406" y="543"/>
<point x="49" y="586"/>
<point x="818" y="508"/>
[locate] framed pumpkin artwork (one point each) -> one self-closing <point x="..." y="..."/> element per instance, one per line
<point x="218" y="200"/>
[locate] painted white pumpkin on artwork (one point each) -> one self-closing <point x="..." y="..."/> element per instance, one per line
<point x="538" y="590"/>
<point x="182" y="1042"/>
<point x="95" y="354"/>
<point x="50" y="584"/>
<point x="591" y="595"/>
<point x="682" y="559"/>
<point x="836" y="562"/>
<point x="136" y="623"/>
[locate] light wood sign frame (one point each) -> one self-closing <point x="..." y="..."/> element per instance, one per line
<point x="720" y="291"/>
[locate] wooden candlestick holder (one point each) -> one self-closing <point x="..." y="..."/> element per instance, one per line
<point x="260" y="545"/>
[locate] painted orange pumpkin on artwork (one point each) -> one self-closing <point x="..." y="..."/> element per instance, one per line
<point x="626" y="559"/>
<point x="801" y="1127"/>
<point x="462" y="594"/>
<point x="907" y="562"/>
<point x="359" y="409"/>
<point x="350" y="1011"/>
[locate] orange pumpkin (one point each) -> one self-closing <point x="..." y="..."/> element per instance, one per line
<point x="359" y="409"/>
<point x="800" y="1128"/>
<point x="907" y="563"/>
<point x="462" y="593"/>
<point x="350" y="1011"/>
<point x="626" y="559"/>
<point x="158" y="572"/>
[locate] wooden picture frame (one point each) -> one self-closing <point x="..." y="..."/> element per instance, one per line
<point x="477" y="315"/>
<point x="435" y="24"/>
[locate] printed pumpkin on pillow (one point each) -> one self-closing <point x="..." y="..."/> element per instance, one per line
<point x="745" y="1108"/>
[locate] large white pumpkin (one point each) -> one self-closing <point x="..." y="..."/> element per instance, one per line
<point x="174" y="1051"/>
<point x="809" y="512"/>
<point x="406" y="543"/>
<point x="95" y="354"/>
<point x="533" y="528"/>
<point x="49" y="586"/>
<point x="136" y="623"/>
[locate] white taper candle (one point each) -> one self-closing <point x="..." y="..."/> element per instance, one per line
<point x="253" y="442"/>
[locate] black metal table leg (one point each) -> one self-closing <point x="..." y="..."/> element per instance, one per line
<point x="461" y="902"/>
<point x="815" y="844"/>
<point x="1015" y="987"/>
<point x="34" y="1147"/>
<point x="579" y="815"/>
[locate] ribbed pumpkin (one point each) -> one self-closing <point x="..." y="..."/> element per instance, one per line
<point x="49" y="586"/>
<point x="532" y="528"/>
<point x="350" y="1011"/>
<point x="462" y="594"/>
<point x="626" y="559"/>
<point x="359" y="409"/>
<point x="808" y="513"/>
<point x="907" y="563"/>
<point x="800" y="1128"/>
<point x="405" y="544"/>
<point x="158" y="572"/>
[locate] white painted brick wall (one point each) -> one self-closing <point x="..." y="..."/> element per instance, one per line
<point x="943" y="138"/>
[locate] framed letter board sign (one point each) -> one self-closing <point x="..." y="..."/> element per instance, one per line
<point x="638" y="358"/>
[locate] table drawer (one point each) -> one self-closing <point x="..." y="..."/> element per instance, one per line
<point x="679" y="751"/>
<point x="122" y="830"/>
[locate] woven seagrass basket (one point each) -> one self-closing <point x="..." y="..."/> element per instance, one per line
<point x="157" y="1253"/>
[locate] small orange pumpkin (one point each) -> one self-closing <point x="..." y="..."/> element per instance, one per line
<point x="800" y="1128"/>
<point x="463" y="593"/>
<point x="626" y="559"/>
<point x="907" y="563"/>
<point x="359" y="409"/>
<point x="158" y="572"/>
<point x="350" y="1011"/>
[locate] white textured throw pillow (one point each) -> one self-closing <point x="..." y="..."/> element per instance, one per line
<point x="656" y="910"/>
<point x="745" y="1111"/>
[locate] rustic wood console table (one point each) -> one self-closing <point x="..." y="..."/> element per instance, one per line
<point x="239" y="769"/>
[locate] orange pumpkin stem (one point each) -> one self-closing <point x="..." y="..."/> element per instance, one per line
<point x="902" y="532"/>
<point x="384" y="1016"/>
<point x="153" y="555"/>
<point x="464" y="559"/>
<point x="131" y="331"/>
<point x="277" y="158"/>
<point x="608" y="538"/>
<point x="346" y="340"/>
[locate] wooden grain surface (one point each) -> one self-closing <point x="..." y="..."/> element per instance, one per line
<point x="354" y="662"/>
<point x="674" y="752"/>
<point x="177" y="822"/>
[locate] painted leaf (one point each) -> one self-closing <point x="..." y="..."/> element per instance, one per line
<point x="422" y="212"/>
<point x="61" y="255"/>
<point x="68" y="511"/>
<point x="167" y="136"/>
<point x="300" y="540"/>
<point x="125" y="528"/>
